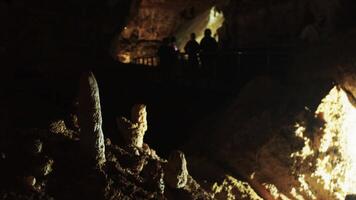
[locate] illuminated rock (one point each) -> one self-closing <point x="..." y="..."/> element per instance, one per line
<point x="232" y="188"/>
<point x="313" y="163"/>
<point x="299" y="146"/>
<point x="134" y="131"/>
<point x="175" y="172"/>
<point x="57" y="127"/>
<point x="29" y="181"/>
<point x="90" y="120"/>
<point x="45" y="167"/>
<point x="139" y="116"/>
<point x="321" y="165"/>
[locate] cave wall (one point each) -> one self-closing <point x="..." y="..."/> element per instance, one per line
<point x="156" y="19"/>
<point x="283" y="23"/>
<point x="153" y="20"/>
<point x="273" y="22"/>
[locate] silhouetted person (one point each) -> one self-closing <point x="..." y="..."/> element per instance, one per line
<point x="174" y="48"/>
<point x="208" y="44"/>
<point x="168" y="57"/>
<point x="192" y="48"/>
<point x="174" y="58"/>
<point x="225" y="39"/>
<point x="164" y="52"/>
<point x="209" y="48"/>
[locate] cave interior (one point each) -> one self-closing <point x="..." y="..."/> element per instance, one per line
<point x="92" y="110"/>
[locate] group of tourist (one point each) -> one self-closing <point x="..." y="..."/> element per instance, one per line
<point x="199" y="54"/>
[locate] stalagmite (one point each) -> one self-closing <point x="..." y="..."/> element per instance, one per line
<point x="90" y="120"/>
<point x="176" y="173"/>
<point x="29" y="181"/>
<point x="133" y="131"/>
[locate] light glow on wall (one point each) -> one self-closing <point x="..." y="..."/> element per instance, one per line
<point x="212" y="19"/>
<point x="216" y="19"/>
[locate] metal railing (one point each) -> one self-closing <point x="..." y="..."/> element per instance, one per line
<point x="148" y="61"/>
<point x="230" y="67"/>
<point x="239" y="57"/>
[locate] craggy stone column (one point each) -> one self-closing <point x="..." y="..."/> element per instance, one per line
<point x="134" y="131"/>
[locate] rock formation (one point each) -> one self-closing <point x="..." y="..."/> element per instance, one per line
<point x="176" y="173"/>
<point x="133" y="131"/>
<point x="231" y="188"/>
<point x="90" y="120"/>
<point x="290" y="141"/>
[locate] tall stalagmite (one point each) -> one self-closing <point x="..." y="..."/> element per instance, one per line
<point x="90" y="120"/>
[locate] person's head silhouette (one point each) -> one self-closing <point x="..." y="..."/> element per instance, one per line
<point x="192" y="36"/>
<point x="165" y="41"/>
<point x="207" y="32"/>
<point x="173" y="39"/>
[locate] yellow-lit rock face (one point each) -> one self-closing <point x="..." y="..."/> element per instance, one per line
<point x="297" y="153"/>
<point x="231" y="189"/>
<point x="323" y="166"/>
<point x="211" y="18"/>
<point x="336" y="169"/>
